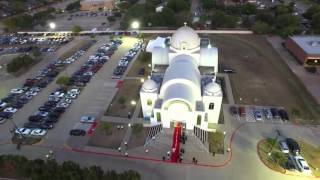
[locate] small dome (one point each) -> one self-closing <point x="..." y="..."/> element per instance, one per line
<point x="185" y="38"/>
<point x="212" y="89"/>
<point x="149" y="86"/>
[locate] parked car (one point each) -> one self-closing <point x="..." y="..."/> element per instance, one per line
<point x="283" y="115"/>
<point x="293" y="146"/>
<point x="23" y="131"/>
<point x="233" y="110"/>
<point x="87" y="119"/>
<point x="77" y="132"/>
<point x="38" y="132"/>
<point x="275" y="113"/>
<point x="302" y="165"/>
<point x="257" y="115"/>
<point x="242" y="111"/>
<point x="2" y="120"/>
<point x="284" y="147"/>
<point x="10" y="110"/>
<point x="267" y="113"/>
<point x="17" y="91"/>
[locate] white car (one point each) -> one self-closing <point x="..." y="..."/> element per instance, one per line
<point x="302" y="164"/>
<point x="17" y="91"/>
<point x="23" y="131"/>
<point x="31" y="93"/>
<point x="284" y="147"/>
<point x="87" y="119"/>
<point x="69" y="101"/>
<point x="10" y="110"/>
<point x="89" y="73"/>
<point x="71" y="96"/>
<point x="63" y="104"/>
<point x="3" y="104"/>
<point x="38" y="132"/>
<point x="74" y="91"/>
<point x="35" y="89"/>
<point x="58" y="94"/>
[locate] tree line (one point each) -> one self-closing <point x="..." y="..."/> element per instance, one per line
<point x="15" y="166"/>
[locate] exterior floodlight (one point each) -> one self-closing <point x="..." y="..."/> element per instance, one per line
<point x="142" y="80"/>
<point x="52" y="25"/>
<point x="135" y="25"/>
<point x="133" y="102"/>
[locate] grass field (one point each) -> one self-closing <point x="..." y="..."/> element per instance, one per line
<point x="262" y="78"/>
<point x="312" y="156"/>
<point x="138" y="64"/>
<point x="216" y="142"/>
<point x="129" y="92"/>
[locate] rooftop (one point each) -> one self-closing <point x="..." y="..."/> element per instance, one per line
<point x="310" y="44"/>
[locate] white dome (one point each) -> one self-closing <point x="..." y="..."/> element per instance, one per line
<point x="185" y="38"/>
<point x="149" y="86"/>
<point x="212" y="89"/>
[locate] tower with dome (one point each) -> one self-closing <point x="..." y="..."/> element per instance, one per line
<point x="182" y="87"/>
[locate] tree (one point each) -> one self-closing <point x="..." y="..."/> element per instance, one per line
<point x="76" y="29"/>
<point x="122" y="100"/>
<point x="111" y="18"/>
<point x="260" y="27"/>
<point x="207" y="4"/>
<point x="36" y="51"/>
<point x="178" y="5"/>
<point x="287" y="24"/>
<point x="73" y="6"/>
<point x="266" y="17"/>
<point x="63" y="80"/>
<point x="311" y="11"/>
<point x="18" y="23"/>
<point x="316" y="23"/>
<point x="249" y="9"/>
<point x="19" y="62"/>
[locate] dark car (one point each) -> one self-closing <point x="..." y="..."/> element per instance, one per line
<point x="275" y="113"/>
<point x="51" y="120"/>
<point x="233" y="110"/>
<point x="293" y="145"/>
<point x="77" y="132"/>
<point x="6" y="115"/>
<point x="31" y="125"/>
<point x="35" y="118"/>
<point x="283" y="114"/>
<point x="44" y="108"/>
<point x="59" y="110"/>
<point x="17" y="105"/>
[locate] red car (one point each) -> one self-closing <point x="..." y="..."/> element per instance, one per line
<point x="242" y="111"/>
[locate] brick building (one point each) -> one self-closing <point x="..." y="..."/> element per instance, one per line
<point x="305" y="48"/>
<point x="95" y="5"/>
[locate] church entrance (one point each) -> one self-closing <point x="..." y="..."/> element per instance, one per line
<point x="174" y="124"/>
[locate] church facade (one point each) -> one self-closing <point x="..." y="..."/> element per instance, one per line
<point x="182" y="88"/>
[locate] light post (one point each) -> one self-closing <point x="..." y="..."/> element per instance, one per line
<point x="20" y="135"/>
<point x="52" y="25"/>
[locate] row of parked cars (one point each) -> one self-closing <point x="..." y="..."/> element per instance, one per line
<point x="32" y="40"/>
<point x="268" y="113"/>
<point x="291" y="147"/>
<point x="125" y="60"/>
<point x="59" y="100"/>
<point x="18" y="97"/>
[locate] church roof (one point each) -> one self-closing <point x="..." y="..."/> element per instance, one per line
<point x="187" y="36"/>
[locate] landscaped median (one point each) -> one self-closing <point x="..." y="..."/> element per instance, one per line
<point x="270" y="154"/>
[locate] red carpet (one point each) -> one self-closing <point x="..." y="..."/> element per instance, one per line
<point x="176" y="144"/>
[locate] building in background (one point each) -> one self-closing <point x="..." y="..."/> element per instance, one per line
<point x="95" y="5"/>
<point x="182" y="88"/>
<point x="305" y="48"/>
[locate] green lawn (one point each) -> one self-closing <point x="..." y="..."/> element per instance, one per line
<point x="216" y="142"/>
<point x="274" y="161"/>
<point x="312" y="156"/>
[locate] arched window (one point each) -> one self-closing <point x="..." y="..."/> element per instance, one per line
<point x="149" y="102"/>
<point x="199" y="120"/>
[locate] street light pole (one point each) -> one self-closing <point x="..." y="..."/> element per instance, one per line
<point x="20" y="136"/>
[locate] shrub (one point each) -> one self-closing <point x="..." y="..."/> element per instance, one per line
<point x="106" y="128"/>
<point x="19" y="62"/>
<point x="63" y="80"/>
